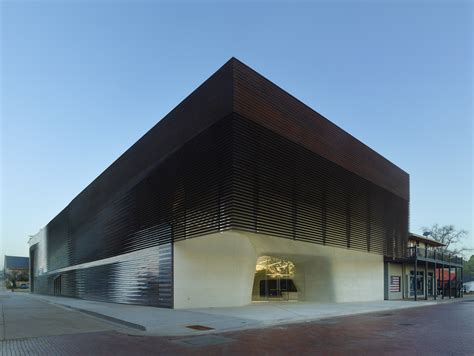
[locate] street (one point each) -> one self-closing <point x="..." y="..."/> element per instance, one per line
<point x="32" y="327"/>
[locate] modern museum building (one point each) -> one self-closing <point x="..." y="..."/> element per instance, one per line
<point x="241" y="193"/>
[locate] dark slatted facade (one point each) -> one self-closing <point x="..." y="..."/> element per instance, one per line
<point x="283" y="189"/>
<point x="239" y="153"/>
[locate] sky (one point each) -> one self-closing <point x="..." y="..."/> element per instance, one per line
<point x="82" y="81"/>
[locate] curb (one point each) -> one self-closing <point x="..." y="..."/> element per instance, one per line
<point x="110" y="318"/>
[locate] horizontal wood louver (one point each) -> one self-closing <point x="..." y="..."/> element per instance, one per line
<point x="185" y="195"/>
<point x="281" y="188"/>
<point x="234" y="175"/>
<point x="263" y="102"/>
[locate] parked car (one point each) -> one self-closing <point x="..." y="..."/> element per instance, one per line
<point x="469" y="287"/>
<point x="23" y="286"/>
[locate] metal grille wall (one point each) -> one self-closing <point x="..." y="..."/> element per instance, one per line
<point x="261" y="101"/>
<point x="283" y="189"/>
<point x="142" y="278"/>
<point x="187" y="194"/>
<point x="235" y="174"/>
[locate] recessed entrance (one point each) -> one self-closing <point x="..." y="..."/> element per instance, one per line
<point x="57" y="285"/>
<point x="274" y="280"/>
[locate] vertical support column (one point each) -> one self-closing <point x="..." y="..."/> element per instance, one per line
<point x="415" y="274"/>
<point x="402" y="283"/>
<point x="449" y="280"/>
<point x="456" y="284"/>
<point x="426" y="280"/>
<point x="442" y="279"/>
<point x="435" y="282"/>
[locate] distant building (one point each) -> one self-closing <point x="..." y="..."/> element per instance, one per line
<point x="16" y="268"/>
<point x="438" y="273"/>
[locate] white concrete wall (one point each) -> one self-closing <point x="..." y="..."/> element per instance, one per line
<point x="218" y="270"/>
<point x="213" y="271"/>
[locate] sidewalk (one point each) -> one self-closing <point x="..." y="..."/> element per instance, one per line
<point x="171" y="322"/>
<point x="24" y="317"/>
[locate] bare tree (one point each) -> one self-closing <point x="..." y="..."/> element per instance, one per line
<point x="447" y="235"/>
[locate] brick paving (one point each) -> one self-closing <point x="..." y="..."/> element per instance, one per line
<point x="446" y="329"/>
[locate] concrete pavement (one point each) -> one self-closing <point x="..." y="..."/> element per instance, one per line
<point x="444" y="329"/>
<point x="24" y="317"/>
<point x="169" y="322"/>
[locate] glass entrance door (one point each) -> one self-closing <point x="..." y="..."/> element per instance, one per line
<point x="274" y="280"/>
<point x="420" y="283"/>
<point x="430" y="282"/>
<point x="57" y="285"/>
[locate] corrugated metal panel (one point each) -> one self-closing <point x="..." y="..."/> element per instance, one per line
<point x="142" y="278"/>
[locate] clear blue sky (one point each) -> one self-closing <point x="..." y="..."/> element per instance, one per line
<point x="81" y="82"/>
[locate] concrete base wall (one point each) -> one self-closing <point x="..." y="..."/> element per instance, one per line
<point x="218" y="270"/>
<point x="213" y="271"/>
